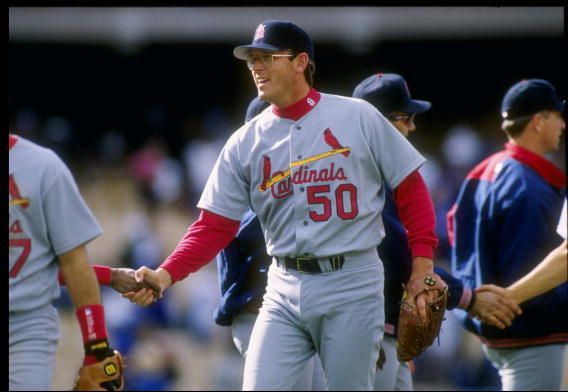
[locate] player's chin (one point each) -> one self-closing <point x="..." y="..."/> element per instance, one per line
<point x="262" y="93"/>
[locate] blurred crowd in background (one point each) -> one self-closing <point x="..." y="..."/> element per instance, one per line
<point x="142" y="180"/>
<point x="146" y="198"/>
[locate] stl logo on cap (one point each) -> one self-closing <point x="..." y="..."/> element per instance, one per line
<point x="259" y="33"/>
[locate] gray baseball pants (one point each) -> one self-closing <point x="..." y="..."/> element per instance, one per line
<point x="311" y="379"/>
<point x="33" y="342"/>
<point x="337" y="314"/>
<point x="395" y="375"/>
<point x="537" y="368"/>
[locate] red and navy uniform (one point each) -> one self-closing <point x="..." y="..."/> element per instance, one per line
<point x="502" y="224"/>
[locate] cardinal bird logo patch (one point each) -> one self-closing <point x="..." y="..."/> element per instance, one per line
<point x="333" y="142"/>
<point x="16" y="198"/>
<point x="304" y="175"/>
<point x="259" y="33"/>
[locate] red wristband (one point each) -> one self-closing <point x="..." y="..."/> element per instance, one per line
<point x="103" y="274"/>
<point x="92" y="322"/>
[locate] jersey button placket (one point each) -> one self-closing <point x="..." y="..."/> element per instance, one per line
<point x="298" y="146"/>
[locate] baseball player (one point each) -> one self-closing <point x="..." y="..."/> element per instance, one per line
<point x="502" y="222"/>
<point x="389" y="93"/>
<point x="243" y="264"/>
<point x="49" y="227"/>
<point x="242" y="269"/>
<point x="313" y="168"/>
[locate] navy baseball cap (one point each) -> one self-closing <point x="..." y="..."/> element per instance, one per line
<point x="255" y="106"/>
<point x="389" y="93"/>
<point x="530" y="96"/>
<point x="277" y="35"/>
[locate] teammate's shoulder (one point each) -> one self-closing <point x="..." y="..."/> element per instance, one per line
<point x="23" y="143"/>
<point x="349" y="102"/>
<point x="249" y="126"/>
<point x="340" y="98"/>
<point x="37" y="152"/>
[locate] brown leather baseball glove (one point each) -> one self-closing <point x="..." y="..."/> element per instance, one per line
<point x="106" y="375"/>
<point x="414" y="335"/>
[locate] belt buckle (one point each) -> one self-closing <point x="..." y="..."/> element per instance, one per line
<point x="298" y="260"/>
<point x="335" y="262"/>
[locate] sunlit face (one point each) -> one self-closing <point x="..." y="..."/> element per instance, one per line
<point x="271" y="72"/>
<point x="552" y="126"/>
<point x="404" y="122"/>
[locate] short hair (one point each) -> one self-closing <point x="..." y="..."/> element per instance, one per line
<point x="516" y="126"/>
<point x="310" y="69"/>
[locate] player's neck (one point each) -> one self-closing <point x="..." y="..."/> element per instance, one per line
<point x="295" y="93"/>
<point x="531" y="143"/>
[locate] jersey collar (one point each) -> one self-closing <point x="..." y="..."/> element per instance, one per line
<point x="546" y="169"/>
<point x="13" y="140"/>
<point x="299" y="109"/>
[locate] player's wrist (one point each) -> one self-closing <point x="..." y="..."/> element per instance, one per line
<point x="514" y="294"/>
<point x="421" y="266"/>
<point x="164" y="278"/>
<point x="97" y="350"/>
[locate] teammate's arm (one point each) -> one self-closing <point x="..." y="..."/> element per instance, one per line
<point x="416" y="211"/>
<point x="84" y="292"/>
<point x="204" y="239"/>
<point x="417" y="215"/>
<point x="121" y="280"/>
<point x="549" y="273"/>
<point x="491" y="308"/>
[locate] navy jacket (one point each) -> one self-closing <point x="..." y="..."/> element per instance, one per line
<point x="502" y="225"/>
<point x="242" y="270"/>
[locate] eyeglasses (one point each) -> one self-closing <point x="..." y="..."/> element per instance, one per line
<point x="265" y="59"/>
<point x="406" y="118"/>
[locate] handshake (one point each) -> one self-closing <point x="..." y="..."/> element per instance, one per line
<point x="493" y="305"/>
<point x="143" y="286"/>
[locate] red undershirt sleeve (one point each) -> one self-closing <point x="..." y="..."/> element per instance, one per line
<point x="206" y="237"/>
<point x="102" y="272"/>
<point x="417" y="215"/>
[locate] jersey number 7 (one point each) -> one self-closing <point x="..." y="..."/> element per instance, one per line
<point x="25" y="243"/>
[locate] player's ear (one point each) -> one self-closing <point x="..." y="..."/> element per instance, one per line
<point x="302" y="62"/>
<point x="538" y="120"/>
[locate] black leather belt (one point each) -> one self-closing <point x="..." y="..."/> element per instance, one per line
<point x="309" y="265"/>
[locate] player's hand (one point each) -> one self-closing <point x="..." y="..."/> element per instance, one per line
<point x="157" y="280"/>
<point x="422" y="267"/>
<point x="492" y="306"/>
<point x="122" y="280"/>
<point x="142" y="297"/>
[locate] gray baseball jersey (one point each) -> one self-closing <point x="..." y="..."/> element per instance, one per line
<point x="316" y="184"/>
<point x="48" y="217"/>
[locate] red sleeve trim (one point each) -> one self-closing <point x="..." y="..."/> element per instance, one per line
<point x="13" y="139"/>
<point x="466" y="299"/>
<point x="417" y="215"/>
<point x="206" y="237"/>
<point x="102" y="272"/>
